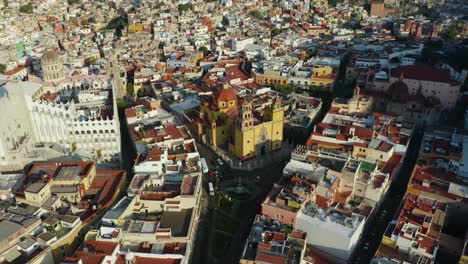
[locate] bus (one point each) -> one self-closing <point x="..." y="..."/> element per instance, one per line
<point x="204" y="165"/>
<point x="210" y="187"/>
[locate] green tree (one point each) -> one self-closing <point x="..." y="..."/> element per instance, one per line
<point x="163" y="57"/>
<point x="452" y="33"/>
<point x="28" y="8"/>
<point x="90" y="61"/>
<point x="457" y="58"/>
<point x="205" y="50"/>
<point x="332" y="3"/>
<point x="145" y="90"/>
<point x="121" y="104"/>
<point x="285" y="88"/>
<point x="129" y="89"/>
<point x="2" y="68"/>
<point x="431" y="53"/>
<point x="275" y="32"/>
<point x="183" y="7"/>
<point x="255" y="13"/>
<point x="316" y="91"/>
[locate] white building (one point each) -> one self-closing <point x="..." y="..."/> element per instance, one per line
<point x="74" y="115"/>
<point x="330" y="230"/>
<point x="240" y="44"/>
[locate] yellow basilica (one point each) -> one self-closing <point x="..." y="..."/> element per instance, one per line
<point x="233" y="125"/>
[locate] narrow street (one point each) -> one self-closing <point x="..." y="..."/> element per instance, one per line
<point x="203" y="245"/>
<point x="372" y="236"/>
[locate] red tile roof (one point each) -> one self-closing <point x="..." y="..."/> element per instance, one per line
<point x="422" y="72"/>
<point x="15" y="70"/>
<point x="154" y="154"/>
<point x="392" y="163"/>
<point x="95" y="251"/>
<point x="363" y="132"/>
<point x="52" y="168"/>
<point x="143" y="260"/>
<point x="321" y="201"/>
<point x="188" y="185"/>
<point x="226" y="95"/>
<point x="279" y="236"/>
<point x="49" y="96"/>
<point x="262" y="257"/>
<point x="427" y="243"/>
<point x="173" y="131"/>
<point x="130" y="112"/>
<point x="341" y="197"/>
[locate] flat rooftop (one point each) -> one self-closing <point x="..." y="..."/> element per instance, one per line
<point x="69" y="173"/>
<point x="177" y="221"/>
<point x="8" y="228"/>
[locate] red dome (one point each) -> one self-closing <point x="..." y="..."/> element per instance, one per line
<point x="227" y="94"/>
<point x="398" y="90"/>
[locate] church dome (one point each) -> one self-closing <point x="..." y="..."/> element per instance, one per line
<point x="50" y="57"/>
<point x="398" y="90"/>
<point x="226" y="95"/>
<point x="52" y="67"/>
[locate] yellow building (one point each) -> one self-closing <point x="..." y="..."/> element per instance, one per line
<point x="359" y="104"/>
<point x="270" y="77"/>
<point x="323" y="76"/>
<point x="134" y="28"/>
<point x="240" y="130"/>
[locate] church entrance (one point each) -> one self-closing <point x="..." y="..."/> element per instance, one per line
<point x="263" y="150"/>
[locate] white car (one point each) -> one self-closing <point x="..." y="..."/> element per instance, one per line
<point x="220" y="162"/>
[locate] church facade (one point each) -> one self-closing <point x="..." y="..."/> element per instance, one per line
<point x="65" y="114"/>
<point x="235" y="126"/>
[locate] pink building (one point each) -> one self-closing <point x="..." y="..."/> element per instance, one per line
<point x="283" y="203"/>
<point x="283" y="214"/>
<point x="421" y="79"/>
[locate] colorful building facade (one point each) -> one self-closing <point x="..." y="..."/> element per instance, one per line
<point x="233" y="125"/>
